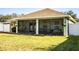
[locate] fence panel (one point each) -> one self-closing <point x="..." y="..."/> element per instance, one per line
<point x="4" y="27"/>
<point x="1" y="27"/>
<point x="74" y="29"/>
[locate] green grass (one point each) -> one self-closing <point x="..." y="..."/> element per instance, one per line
<point x="71" y="44"/>
<point x="16" y="42"/>
<point x="20" y="42"/>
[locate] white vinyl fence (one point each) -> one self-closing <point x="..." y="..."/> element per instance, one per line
<point x="74" y="29"/>
<point x="5" y="27"/>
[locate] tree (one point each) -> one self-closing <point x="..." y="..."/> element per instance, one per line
<point x="5" y="18"/>
<point x="72" y="14"/>
<point x="13" y="15"/>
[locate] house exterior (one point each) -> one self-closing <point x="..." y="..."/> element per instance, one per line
<point x="46" y="21"/>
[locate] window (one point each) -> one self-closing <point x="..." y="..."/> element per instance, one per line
<point x="56" y="26"/>
<point x="56" y="22"/>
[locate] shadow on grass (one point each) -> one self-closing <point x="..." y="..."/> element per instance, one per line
<point x="29" y="34"/>
<point x="71" y="44"/>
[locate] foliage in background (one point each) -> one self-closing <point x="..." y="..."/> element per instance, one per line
<point x="72" y="14"/>
<point x="4" y="18"/>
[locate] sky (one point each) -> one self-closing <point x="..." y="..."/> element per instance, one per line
<point x="5" y="11"/>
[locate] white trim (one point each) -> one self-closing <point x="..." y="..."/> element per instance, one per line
<point x="67" y="21"/>
<point x="16" y="26"/>
<point x="40" y="17"/>
<point x="65" y="27"/>
<point x="37" y="26"/>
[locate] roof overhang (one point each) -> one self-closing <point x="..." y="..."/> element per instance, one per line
<point x="44" y="14"/>
<point x="47" y="17"/>
<point x="72" y="19"/>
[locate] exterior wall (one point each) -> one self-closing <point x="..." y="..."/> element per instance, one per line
<point x="66" y="27"/>
<point x="5" y="27"/>
<point x="74" y="29"/>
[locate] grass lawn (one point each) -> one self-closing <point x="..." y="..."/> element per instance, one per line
<point x="70" y="44"/>
<point x="20" y="42"/>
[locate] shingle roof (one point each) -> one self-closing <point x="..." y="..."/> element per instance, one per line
<point x="45" y="13"/>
